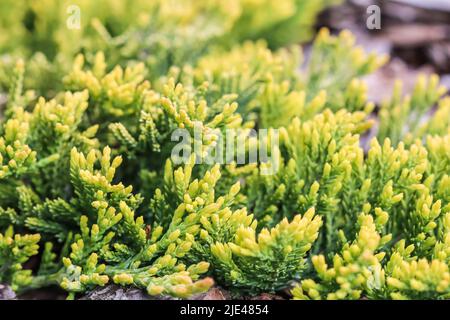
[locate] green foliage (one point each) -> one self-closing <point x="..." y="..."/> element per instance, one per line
<point x="159" y="33"/>
<point x="244" y="71"/>
<point x="16" y="249"/>
<point x="39" y="25"/>
<point x="88" y="165"/>
<point x="261" y="261"/>
<point x="407" y="207"/>
<point x="359" y="269"/>
<point x="401" y="118"/>
<point x="280" y="23"/>
<point x="334" y="63"/>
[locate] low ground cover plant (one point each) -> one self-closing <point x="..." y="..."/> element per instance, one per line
<point x="358" y="206"/>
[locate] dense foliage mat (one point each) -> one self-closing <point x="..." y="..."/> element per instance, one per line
<point x="359" y="205"/>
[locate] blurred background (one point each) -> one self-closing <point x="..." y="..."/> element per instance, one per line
<point x="415" y="33"/>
